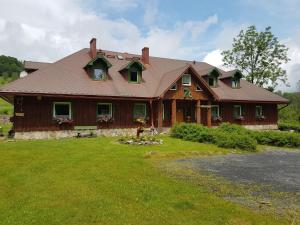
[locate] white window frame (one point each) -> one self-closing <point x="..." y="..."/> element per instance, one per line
<point x="198" y="88"/>
<point x="62" y="103"/>
<point x="190" y="80"/>
<point x="145" y="109"/>
<point x="110" y="108"/>
<point x="218" y="109"/>
<point x="235" y="106"/>
<point x="261" y="110"/>
<point x="172" y="88"/>
<point x="235" y="83"/>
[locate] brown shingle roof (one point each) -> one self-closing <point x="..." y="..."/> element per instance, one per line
<point x="30" y="65"/>
<point x="68" y="77"/>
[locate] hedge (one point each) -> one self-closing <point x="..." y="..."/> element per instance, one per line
<point x="234" y="136"/>
<point x="289" y="126"/>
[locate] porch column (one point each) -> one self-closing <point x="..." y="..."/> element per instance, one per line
<point x="173" y="111"/>
<point x="198" y="112"/>
<point x="160" y="115"/>
<point x="208" y="114"/>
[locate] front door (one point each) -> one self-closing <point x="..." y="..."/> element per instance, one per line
<point x="180" y="115"/>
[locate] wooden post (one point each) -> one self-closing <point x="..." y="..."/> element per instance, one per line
<point x="198" y="112"/>
<point x="173" y="111"/>
<point x="209" y="114"/>
<point x="160" y="115"/>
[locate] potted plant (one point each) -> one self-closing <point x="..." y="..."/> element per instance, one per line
<point x="217" y="119"/>
<point x="63" y="120"/>
<point x="240" y="118"/>
<point x="104" y="119"/>
<point x="260" y="117"/>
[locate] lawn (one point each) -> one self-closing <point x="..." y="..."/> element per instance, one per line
<point x="5" y="108"/>
<point x="98" y="181"/>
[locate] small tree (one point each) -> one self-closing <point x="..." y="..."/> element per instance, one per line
<point x="259" y="56"/>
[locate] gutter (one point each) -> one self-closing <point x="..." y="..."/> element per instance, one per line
<point x="287" y="104"/>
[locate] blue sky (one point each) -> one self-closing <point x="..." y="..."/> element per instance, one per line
<point x="195" y="30"/>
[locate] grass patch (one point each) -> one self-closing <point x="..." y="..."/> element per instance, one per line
<point x="5" y="107"/>
<point x="98" y="181"/>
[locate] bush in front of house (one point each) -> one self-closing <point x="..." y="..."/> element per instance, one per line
<point x="289" y="125"/>
<point x="276" y="138"/>
<point x="234" y="136"/>
<point x="226" y="136"/>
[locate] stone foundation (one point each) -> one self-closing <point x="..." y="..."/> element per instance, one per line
<point x="262" y="127"/>
<point x="73" y="133"/>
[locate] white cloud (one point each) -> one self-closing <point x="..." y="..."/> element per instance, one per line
<point x="151" y="12"/>
<point x="52" y="32"/>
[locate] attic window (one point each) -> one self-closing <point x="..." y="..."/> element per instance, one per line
<point x="174" y="87"/>
<point x="186" y="80"/>
<point x="212" y="81"/>
<point x="235" y="80"/>
<point x="133" y="75"/>
<point x="198" y="88"/>
<point x="99" y="74"/>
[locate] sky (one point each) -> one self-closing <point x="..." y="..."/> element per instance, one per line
<point x="42" y="30"/>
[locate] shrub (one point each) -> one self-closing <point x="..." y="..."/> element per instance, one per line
<point x="289" y="126"/>
<point x="237" y="141"/>
<point x="275" y="138"/>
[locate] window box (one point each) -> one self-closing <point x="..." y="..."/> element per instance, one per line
<point x="240" y="118"/>
<point x="63" y="120"/>
<point x="104" y="119"/>
<point x="260" y="117"/>
<point x="217" y="119"/>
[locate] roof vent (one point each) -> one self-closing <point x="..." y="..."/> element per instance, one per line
<point x="120" y="57"/>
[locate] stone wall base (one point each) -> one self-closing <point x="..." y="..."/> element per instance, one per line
<point x="73" y="133"/>
<point x="262" y="127"/>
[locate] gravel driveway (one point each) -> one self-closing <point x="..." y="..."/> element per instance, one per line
<point x="278" y="168"/>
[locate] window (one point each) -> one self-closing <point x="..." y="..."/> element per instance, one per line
<point x="133" y="75"/>
<point x="237" y="111"/>
<point x="139" y="110"/>
<point x="215" y="112"/>
<point x="258" y="111"/>
<point x="62" y="110"/>
<point x="99" y="74"/>
<point x="104" y="109"/>
<point x="235" y="83"/>
<point x="186" y="80"/>
<point x="166" y="112"/>
<point x="212" y="81"/>
<point x="174" y="87"/>
<point x="198" y="88"/>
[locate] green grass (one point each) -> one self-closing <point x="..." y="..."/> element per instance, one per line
<point x="5" y="108"/>
<point x="98" y="181"/>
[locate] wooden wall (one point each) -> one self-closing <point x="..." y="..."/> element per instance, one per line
<point x="38" y="113"/>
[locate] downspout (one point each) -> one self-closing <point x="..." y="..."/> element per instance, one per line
<point x="151" y="108"/>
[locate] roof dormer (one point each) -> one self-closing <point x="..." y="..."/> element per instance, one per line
<point x="212" y="77"/>
<point x="133" y="70"/>
<point x="232" y="78"/>
<point x="97" y="68"/>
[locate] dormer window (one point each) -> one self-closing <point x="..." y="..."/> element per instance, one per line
<point x="235" y="82"/>
<point x="99" y="74"/>
<point x="212" y="77"/>
<point x="133" y="75"/>
<point x="186" y="80"/>
<point x="133" y="69"/>
<point x="98" y="68"/>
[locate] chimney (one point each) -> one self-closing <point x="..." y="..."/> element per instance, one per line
<point x="145" y="55"/>
<point x="93" y="48"/>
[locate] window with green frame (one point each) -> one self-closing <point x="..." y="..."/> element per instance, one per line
<point x="237" y="111"/>
<point x="215" y="111"/>
<point x="235" y="82"/>
<point x="104" y="109"/>
<point x="139" y="110"/>
<point x="212" y="81"/>
<point x="258" y="111"/>
<point x="134" y="75"/>
<point x="62" y="110"/>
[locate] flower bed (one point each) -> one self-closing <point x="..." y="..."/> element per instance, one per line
<point x="144" y="140"/>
